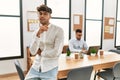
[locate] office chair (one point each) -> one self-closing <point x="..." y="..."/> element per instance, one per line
<point x="118" y="48"/>
<point x="19" y="70"/>
<point x="116" y="51"/>
<point x="83" y="73"/>
<point x="113" y="74"/>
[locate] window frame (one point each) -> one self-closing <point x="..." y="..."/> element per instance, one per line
<point x="69" y="31"/>
<point x="117" y="21"/>
<point x="21" y="34"/>
<point x="101" y="38"/>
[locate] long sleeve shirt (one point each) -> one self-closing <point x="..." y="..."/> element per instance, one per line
<point x="51" y="44"/>
<point x="77" y="45"/>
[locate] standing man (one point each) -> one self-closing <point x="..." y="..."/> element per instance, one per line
<point x="49" y="39"/>
<point x="77" y="44"/>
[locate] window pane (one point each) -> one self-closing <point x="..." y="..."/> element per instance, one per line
<point x="59" y="8"/>
<point x="10" y="37"/>
<point x="118" y="18"/>
<point x="64" y="24"/>
<point x="9" y="7"/>
<point x="118" y="34"/>
<point x="93" y="33"/>
<point x="94" y="9"/>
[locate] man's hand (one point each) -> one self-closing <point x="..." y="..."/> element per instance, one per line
<point x="84" y="51"/>
<point x="41" y="30"/>
<point x="39" y="51"/>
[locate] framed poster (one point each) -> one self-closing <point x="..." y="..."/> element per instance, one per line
<point x="32" y="21"/>
<point x="77" y="21"/>
<point x="109" y="28"/>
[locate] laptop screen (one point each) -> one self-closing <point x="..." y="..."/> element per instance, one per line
<point x="91" y="47"/>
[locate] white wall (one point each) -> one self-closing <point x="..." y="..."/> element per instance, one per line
<point x="77" y="8"/>
<point x="109" y="11"/>
<point x="7" y="66"/>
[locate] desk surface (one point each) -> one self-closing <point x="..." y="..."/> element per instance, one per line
<point x="66" y="64"/>
<point x="98" y="62"/>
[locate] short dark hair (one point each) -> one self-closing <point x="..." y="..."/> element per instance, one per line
<point x="78" y="30"/>
<point x="44" y="8"/>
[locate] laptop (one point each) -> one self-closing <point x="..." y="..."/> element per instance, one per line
<point x="91" y="47"/>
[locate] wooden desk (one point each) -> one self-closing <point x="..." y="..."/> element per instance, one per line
<point x="98" y="62"/>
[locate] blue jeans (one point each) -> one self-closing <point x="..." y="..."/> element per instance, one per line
<point x="35" y="75"/>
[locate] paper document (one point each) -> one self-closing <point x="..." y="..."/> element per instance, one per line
<point x="76" y="19"/>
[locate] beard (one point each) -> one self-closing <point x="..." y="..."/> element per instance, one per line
<point x="43" y="22"/>
<point x="78" y="38"/>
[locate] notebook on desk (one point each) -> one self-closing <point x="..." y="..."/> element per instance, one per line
<point x="91" y="47"/>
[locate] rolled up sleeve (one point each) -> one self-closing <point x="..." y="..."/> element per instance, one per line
<point x="34" y="46"/>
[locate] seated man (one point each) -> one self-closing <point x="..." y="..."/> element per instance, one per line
<point x="77" y="44"/>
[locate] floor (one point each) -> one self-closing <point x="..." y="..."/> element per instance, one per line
<point x="12" y="77"/>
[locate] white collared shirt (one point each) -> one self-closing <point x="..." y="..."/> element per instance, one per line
<point x="51" y="43"/>
<point x="77" y="45"/>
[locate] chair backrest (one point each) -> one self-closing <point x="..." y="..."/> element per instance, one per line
<point x="116" y="70"/>
<point x="116" y="51"/>
<point x="83" y="73"/>
<point x="19" y="70"/>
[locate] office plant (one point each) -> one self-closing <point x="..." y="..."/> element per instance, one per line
<point x="93" y="51"/>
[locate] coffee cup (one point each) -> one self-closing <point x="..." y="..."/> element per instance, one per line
<point x="76" y="55"/>
<point x="101" y="52"/>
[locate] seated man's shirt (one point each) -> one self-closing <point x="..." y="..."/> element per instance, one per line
<point x="77" y="45"/>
